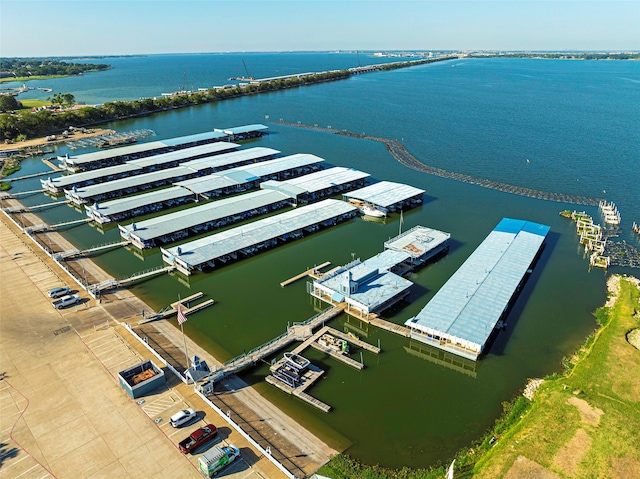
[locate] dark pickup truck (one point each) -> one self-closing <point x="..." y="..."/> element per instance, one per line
<point x="197" y="438"/>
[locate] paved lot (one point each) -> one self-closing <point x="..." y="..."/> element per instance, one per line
<point x="62" y="411"/>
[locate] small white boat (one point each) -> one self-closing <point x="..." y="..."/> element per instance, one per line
<point x="370" y="210"/>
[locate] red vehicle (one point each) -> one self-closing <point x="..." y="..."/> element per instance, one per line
<point x="197" y="438"/>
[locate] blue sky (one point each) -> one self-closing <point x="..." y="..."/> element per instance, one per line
<point x="117" y="27"/>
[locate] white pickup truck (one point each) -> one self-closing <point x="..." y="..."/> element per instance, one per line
<point x="68" y="300"/>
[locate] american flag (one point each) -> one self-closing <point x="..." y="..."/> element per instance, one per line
<point x="181" y="317"/>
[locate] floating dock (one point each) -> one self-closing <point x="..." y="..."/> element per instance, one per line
<point x="462" y="315"/>
<point x="388" y="195"/>
<point x="321" y="184"/>
<point x="246" y="240"/>
<point x="134" y="167"/>
<point x="156" y="179"/>
<point x="116" y="156"/>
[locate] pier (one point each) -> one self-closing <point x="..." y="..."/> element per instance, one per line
<point x="312" y="374"/>
<point x="173" y="308"/>
<point x="313" y="272"/>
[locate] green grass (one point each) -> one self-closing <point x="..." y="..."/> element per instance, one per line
<point x="5" y="185"/>
<point x="34" y="103"/>
<point x="34" y="77"/>
<point x="605" y="374"/>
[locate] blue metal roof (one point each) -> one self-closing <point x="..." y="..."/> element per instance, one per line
<point x="466" y="309"/>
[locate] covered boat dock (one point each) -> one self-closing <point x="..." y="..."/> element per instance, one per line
<point x="462" y="315"/>
<point x="249" y="239"/>
<point x="117" y="156"/>
<point x="233" y="180"/>
<point x="388" y="195"/>
<point x="134" y="167"/>
<point x="157" y="179"/>
<point x="216" y="214"/>
<point x="318" y="185"/>
<point x="244" y="132"/>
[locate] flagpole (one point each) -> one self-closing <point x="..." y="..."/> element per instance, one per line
<point x="184" y="339"/>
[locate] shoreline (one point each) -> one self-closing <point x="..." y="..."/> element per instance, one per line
<point x="42" y="141"/>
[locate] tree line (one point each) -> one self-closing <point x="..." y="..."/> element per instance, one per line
<point x="23" y="125"/>
<point x="21" y="68"/>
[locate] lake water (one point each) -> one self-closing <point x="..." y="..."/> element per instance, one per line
<point x="577" y="124"/>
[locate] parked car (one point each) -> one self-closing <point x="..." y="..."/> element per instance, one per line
<point x="197" y="438"/>
<point x="68" y="300"/>
<point x="182" y="417"/>
<point x="58" y="292"/>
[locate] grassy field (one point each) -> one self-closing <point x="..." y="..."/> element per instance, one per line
<point x="584" y="423"/>
<point x="33" y="77"/>
<point x="34" y="103"/>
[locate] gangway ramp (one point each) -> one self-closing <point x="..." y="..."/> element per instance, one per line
<point x="145" y="274"/>
<point x="94" y="249"/>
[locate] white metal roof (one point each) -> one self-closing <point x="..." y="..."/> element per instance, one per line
<point x="128" y="203"/>
<point x="212" y="211"/>
<point x="385" y="193"/>
<point x="220" y="161"/>
<point x="61" y="182"/>
<point x="219" y="244"/>
<point x="91" y="191"/>
<point x="184" y="154"/>
<point x="318" y="181"/>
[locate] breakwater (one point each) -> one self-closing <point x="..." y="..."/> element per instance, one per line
<point x="400" y="153"/>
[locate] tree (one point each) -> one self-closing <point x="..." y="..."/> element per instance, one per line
<point x="8" y="103"/>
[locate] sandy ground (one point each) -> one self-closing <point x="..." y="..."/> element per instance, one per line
<point x="43" y="141"/>
<point x="122" y="306"/>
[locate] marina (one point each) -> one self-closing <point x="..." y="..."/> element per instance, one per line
<point x="134" y="167"/>
<point x="117" y="156"/>
<point x="156" y="179"/>
<point x="464" y="313"/>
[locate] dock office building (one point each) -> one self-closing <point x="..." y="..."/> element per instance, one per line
<point x="376" y="284"/>
<point x="462" y="315"/>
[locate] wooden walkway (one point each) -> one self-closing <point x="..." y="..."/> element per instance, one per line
<point x="309" y="377"/>
<point x="313" y="272"/>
